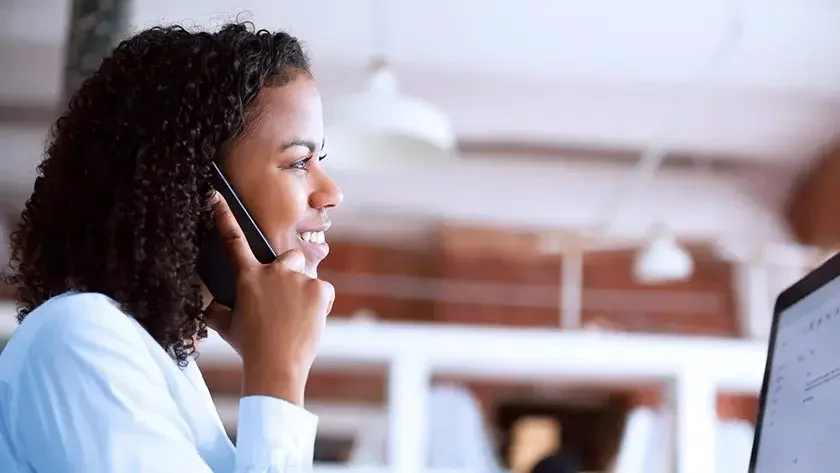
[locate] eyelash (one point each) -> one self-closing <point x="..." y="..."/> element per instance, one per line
<point x="303" y="164"/>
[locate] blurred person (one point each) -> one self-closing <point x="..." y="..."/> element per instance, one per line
<point x="100" y="376"/>
<point x="557" y="462"/>
<point x="532" y="438"/>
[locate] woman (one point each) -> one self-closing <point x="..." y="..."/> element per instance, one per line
<point x="100" y="376"/>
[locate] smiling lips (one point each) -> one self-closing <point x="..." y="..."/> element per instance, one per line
<point x="314" y="246"/>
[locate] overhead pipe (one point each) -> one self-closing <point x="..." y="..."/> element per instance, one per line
<point x="571" y="287"/>
<point x="570" y="293"/>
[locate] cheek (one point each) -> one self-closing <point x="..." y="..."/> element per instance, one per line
<point x="279" y="208"/>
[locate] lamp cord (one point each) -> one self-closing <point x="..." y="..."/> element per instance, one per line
<point x="652" y="157"/>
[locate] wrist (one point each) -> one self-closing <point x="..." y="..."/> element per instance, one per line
<point x="281" y="383"/>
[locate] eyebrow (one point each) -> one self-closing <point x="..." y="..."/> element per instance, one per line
<point x="311" y="145"/>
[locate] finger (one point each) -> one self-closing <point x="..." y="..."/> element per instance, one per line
<point x="292" y="260"/>
<point x="327" y="295"/>
<point x="232" y="235"/>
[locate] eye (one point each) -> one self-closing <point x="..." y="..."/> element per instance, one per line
<point x="302" y="165"/>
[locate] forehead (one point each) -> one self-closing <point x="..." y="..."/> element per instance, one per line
<point x="289" y="112"/>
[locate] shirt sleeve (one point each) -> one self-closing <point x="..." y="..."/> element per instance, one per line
<point x="93" y="400"/>
<point x="274" y="435"/>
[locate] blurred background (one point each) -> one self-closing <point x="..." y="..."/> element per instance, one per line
<point x="564" y="223"/>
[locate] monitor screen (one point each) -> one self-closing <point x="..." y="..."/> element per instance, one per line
<point x="800" y="422"/>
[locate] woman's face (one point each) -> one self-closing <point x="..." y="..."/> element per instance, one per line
<point x="275" y="169"/>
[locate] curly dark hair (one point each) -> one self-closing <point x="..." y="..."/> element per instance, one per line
<point x="120" y="205"/>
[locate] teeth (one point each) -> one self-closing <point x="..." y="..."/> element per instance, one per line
<point x="312" y="237"/>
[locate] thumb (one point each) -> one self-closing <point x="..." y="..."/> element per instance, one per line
<point x="292" y="260"/>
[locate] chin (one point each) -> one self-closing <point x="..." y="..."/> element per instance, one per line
<point x="314" y="249"/>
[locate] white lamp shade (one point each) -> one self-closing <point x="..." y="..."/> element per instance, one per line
<point x="661" y="261"/>
<point x="381" y="127"/>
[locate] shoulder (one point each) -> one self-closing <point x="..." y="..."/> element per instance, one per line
<point x="78" y="316"/>
<point x="82" y="346"/>
<point x="78" y="327"/>
<point x="82" y="365"/>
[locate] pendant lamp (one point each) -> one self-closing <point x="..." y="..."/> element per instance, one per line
<point x="663" y="260"/>
<point x="382" y="127"/>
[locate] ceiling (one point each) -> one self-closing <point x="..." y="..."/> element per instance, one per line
<point x="603" y="74"/>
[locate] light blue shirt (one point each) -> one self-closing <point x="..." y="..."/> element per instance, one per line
<point x="85" y="389"/>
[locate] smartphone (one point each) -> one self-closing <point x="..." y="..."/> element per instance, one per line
<point x="215" y="265"/>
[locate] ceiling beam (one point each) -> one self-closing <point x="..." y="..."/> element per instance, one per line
<point x="598" y="154"/>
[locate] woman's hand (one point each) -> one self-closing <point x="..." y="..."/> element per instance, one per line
<point x="279" y="316"/>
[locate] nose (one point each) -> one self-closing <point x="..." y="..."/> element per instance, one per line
<point x="326" y="194"/>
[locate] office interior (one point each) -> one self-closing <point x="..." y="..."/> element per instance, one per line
<point x="571" y="238"/>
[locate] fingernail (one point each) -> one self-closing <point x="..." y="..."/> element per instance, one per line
<point x="215" y="197"/>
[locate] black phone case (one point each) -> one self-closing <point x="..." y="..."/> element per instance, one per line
<point x="215" y="266"/>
